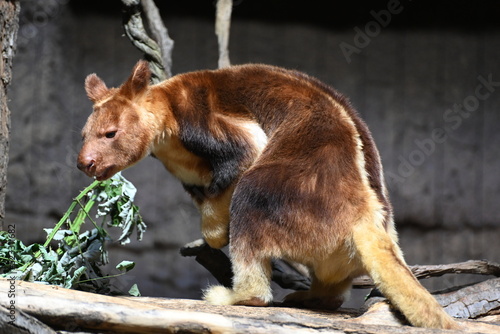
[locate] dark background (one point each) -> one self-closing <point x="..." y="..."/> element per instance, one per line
<point x="430" y="57"/>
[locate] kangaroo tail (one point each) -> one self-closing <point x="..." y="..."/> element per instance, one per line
<point x="383" y="260"/>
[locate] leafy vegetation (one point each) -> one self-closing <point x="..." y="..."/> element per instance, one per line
<point x="77" y="259"/>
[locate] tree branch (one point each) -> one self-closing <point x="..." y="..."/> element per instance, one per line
<point x="9" y="25"/>
<point x="219" y="265"/>
<point x="134" y="29"/>
<point x="214" y="260"/>
<point x="479" y="267"/>
<point x="160" y="34"/>
<point x="288" y="277"/>
<point x="222" y="27"/>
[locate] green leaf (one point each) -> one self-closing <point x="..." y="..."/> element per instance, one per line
<point x="134" y="291"/>
<point x="58" y="235"/>
<point x="125" y="266"/>
<point x="76" y="276"/>
<point x="35" y="270"/>
<point x="50" y="256"/>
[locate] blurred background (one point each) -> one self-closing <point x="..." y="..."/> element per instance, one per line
<point x="424" y="75"/>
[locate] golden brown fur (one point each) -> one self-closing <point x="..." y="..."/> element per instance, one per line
<point x="279" y="164"/>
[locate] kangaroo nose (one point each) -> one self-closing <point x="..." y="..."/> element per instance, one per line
<point x="85" y="164"/>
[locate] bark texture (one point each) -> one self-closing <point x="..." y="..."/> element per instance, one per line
<point x="70" y="311"/>
<point x="9" y="25"/>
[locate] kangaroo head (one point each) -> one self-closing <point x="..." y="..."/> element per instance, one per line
<point x="118" y="132"/>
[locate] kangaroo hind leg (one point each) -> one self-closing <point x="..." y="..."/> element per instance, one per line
<point x="251" y="281"/>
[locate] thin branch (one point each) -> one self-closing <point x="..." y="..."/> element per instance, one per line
<point x="134" y="29"/>
<point x="288" y="277"/>
<point x="222" y="27"/>
<point x="160" y="34"/>
<point x="479" y="267"/>
<point x="219" y="265"/>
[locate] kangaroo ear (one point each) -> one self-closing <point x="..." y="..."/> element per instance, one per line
<point x="95" y="87"/>
<point x="138" y="81"/>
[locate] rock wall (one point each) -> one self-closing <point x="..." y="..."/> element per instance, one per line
<point x="431" y="97"/>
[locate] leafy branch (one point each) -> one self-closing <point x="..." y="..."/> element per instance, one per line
<point x="77" y="260"/>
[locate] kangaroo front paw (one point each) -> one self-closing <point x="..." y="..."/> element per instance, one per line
<point x="219" y="295"/>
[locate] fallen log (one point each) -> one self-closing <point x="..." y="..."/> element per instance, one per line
<point x="76" y="311"/>
<point x="472" y="302"/>
<point x="382" y="313"/>
<point x="22" y="323"/>
<point x="72" y="310"/>
<point x="476" y="301"/>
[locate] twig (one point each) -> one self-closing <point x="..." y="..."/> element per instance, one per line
<point x="222" y="26"/>
<point x="160" y="34"/>
<point x="134" y="29"/>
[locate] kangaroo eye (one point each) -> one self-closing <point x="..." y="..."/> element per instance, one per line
<point x="110" y="134"/>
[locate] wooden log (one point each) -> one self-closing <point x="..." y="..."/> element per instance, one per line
<point x="476" y="301"/>
<point x="71" y="310"/>
<point x="381" y="313"/>
<point x="21" y="323"/>
<point x="473" y="301"/>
